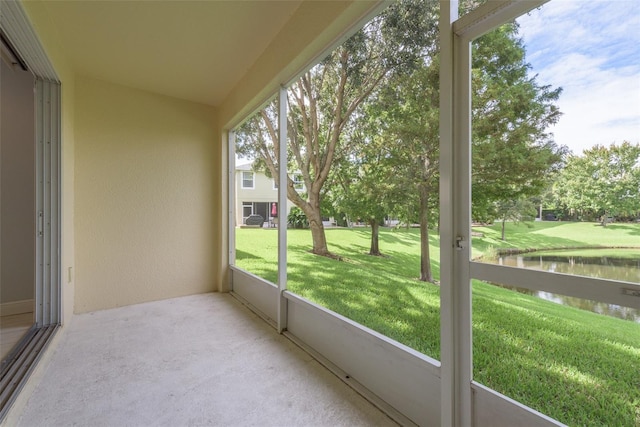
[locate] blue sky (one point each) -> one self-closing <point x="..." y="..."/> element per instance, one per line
<point x="590" y="48"/>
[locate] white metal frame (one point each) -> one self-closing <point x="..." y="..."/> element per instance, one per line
<point x="245" y="205"/>
<point x="253" y="180"/>
<point x="282" y="202"/>
<point x="48" y="206"/>
<point x="455" y="292"/>
<point x="231" y="201"/>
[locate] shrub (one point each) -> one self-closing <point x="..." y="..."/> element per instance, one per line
<point x="297" y="218"/>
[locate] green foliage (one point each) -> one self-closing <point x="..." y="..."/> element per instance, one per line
<point x="297" y="218"/>
<point x="602" y="181"/>
<point x="393" y="164"/>
<point x="514" y="210"/>
<point x="513" y="153"/>
<point x="490" y="254"/>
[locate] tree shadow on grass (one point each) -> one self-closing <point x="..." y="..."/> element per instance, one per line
<point x="528" y="240"/>
<point x="240" y="255"/>
<point x="401" y="309"/>
<point x="631" y="229"/>
<point x="257" y="265"/>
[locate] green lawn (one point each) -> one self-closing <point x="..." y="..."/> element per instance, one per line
<point x="578" y="367"/>
<point x="556" y="235"/>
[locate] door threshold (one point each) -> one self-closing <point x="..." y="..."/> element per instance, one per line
<point x="17" y="367"/>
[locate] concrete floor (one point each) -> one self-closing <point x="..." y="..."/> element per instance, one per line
<point x="197" y="360"/>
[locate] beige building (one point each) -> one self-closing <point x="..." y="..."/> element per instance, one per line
<point x="135" y="108"/>
<point x="256" y="193"/>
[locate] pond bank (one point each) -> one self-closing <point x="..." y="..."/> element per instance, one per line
<point x="519" y="251"/>
<point x="606" y="263"/>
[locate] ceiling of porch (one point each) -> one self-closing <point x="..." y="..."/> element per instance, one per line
<point x="194" y="50"/>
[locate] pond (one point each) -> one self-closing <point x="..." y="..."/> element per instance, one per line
<point x="601" y="263"/>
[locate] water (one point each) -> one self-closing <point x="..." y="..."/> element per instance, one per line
<point x="597" y="263"/>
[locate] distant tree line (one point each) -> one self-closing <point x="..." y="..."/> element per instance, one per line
<point x="602" y="183"/>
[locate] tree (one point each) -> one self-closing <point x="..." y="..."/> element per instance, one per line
<point x="406" y="112"/>
<point x="515" y="210"/>
<point x="323" y="101"/>
<point x="362" y="195"/>
<point x="603" y="181"/>
<point x="362" y="183"/>
<point x="513" y="153"/>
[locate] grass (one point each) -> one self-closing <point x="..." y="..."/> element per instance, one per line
<point x="556" y="235"/>
<point x="594" y="253"/>
<point x="578" y="367"/>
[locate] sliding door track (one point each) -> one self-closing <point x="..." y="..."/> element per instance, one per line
<point x="17" y="367"/>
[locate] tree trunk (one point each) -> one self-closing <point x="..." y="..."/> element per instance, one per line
<point x="375" y="247"/>
<point x="425" y="259"/>
<point x="408" y="225"/>
<point x="503" y="235"/>
<point x="317" y="233"/>
<point x="312" y="210"/>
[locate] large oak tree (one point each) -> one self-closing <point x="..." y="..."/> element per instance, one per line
<point x="323" y="101"/>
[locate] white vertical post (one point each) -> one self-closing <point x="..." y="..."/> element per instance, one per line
<point x="463" y="362"/>
<point x="48" y="206"/>
<point x="231" y="191"/>
<point x="282" y="208"/>
<point x="55" y="290"/>
<point x="40" y="207"/>
<point x="448" y="13"/>
<point x="455" y="202"/>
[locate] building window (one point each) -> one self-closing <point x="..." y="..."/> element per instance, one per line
<point x="247" y="180"/>
<point x="298" y="181"/>
<point x="275" y="184"/>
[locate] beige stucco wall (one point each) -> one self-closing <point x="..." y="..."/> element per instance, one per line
<point x="145" y="191"/>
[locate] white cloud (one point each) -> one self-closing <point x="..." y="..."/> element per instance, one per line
<point x="592" y="50"/>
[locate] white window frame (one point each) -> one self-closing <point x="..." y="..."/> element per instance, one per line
<point x="253" y="180"/>
<point x="298" y="181"/>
